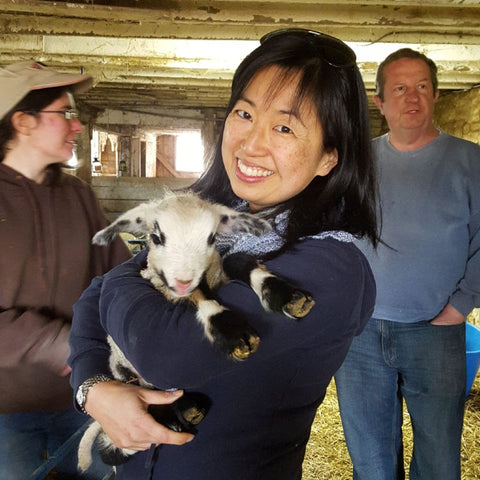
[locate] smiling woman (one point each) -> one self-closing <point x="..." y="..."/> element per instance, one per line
<point x="263" y="133"/>
<point x="295" y="150"/>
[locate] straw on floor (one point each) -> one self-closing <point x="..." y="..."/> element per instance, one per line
<point x="327" y="457"/>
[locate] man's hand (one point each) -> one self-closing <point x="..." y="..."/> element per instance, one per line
<point x="448" y="316"/>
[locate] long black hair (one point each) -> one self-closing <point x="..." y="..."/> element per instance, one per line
<point x="344" y="199"/>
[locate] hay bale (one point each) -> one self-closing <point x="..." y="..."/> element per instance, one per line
<point x="474" y="317"/>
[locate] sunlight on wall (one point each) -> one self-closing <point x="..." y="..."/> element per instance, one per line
<point x="189" y="152"/>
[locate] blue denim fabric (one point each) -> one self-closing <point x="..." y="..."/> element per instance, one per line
<point x="26" y="437"/>
<point x="421" y="363"/>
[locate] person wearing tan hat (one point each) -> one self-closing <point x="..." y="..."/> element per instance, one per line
<point x="47" y="220"/>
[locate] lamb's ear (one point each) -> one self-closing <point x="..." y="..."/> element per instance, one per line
<point x="232" y="221"/>
<point x="133" y="221"/>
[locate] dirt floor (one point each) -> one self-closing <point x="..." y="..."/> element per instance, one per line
<point x="327" y="457"/>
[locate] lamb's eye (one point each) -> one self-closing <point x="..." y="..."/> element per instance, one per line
<point x="158" y="239"/>
<point x="211" y="239"/>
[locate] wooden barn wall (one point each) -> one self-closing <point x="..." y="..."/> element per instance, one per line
<point x="458" y="113"/>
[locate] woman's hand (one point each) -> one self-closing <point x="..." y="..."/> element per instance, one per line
<point x="121" y="410"/>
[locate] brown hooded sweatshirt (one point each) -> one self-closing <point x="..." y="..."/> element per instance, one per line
<point x="46" y="261"/>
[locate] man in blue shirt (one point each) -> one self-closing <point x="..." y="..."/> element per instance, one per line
<point x="428" y="280"/>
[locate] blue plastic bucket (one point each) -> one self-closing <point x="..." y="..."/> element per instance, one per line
<point x="472" y="334"/>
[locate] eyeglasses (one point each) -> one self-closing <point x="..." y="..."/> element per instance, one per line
<point x="331" y="49"/>
<point x="68" y="114"/>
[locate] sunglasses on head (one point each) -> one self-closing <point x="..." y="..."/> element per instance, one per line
<point x="331" y="49"/>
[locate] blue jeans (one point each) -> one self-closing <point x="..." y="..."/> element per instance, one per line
<point x="421" y="363"/>
<point x="27" y="438"/>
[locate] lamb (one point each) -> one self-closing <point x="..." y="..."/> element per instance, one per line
<point x="183" y="264"/>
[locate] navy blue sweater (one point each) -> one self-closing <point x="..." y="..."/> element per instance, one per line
<point x="262" y="408"/>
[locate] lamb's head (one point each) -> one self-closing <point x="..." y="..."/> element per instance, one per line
<point x="181" y="232"/>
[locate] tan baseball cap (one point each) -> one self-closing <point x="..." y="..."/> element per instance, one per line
<point x="18" y="79"/>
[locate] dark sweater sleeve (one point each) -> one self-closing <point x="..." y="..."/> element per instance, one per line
<point x="165" y="343"/>
<point x="89" y="350"/>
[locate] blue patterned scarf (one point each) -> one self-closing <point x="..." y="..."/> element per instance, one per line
<point x="228" y="244"/>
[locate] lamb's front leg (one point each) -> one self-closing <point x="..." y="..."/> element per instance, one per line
<point x="275" y="293"/>
<point x="227" y="331"/>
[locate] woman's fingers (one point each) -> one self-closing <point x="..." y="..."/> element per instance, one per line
<point x="121" y="410"/>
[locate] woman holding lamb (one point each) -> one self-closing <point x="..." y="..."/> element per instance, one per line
<point x="295" y="149"/>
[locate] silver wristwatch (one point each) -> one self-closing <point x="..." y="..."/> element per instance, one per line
<point x="81" y="396"/>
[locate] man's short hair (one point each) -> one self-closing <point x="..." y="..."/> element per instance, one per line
<point x="404" y="53"/>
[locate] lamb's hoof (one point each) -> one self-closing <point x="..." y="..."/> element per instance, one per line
<point x="245" y="348"/>
<point x="233" y="335"/>
<point x="300" y="305"/>
<point x="279" y="296"/>
<point x="193" y="415"/>
<point x="183" y="414"/>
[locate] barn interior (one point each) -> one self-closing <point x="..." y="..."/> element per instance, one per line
<point x="162" y="70"/>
